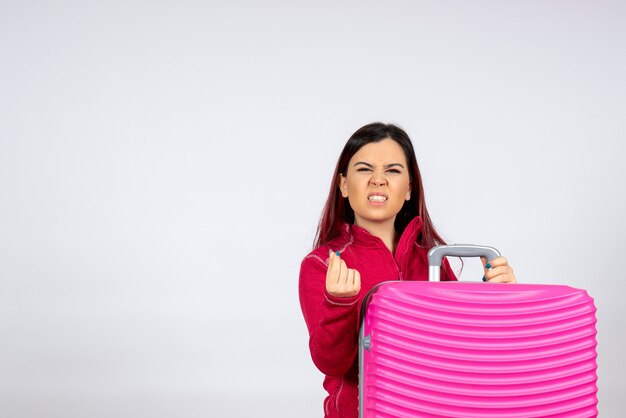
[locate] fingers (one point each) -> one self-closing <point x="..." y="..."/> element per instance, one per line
<point x="500" y="275"/>
<point x="496" y="262"/>
<point x="350" y="278"/>
<point x="499" y="271"/>
<point x="332" y="274"/>
<point x="341" y="281"/>
<point x="499" y="261"/>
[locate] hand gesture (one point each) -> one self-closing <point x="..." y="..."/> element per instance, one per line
<point x="340" y="280"/>
<point x="498" y="271"/>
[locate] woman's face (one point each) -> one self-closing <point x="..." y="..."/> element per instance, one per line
<point x="377" y="182"/>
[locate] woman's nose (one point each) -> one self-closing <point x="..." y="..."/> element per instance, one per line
<point x="378" y="179"/>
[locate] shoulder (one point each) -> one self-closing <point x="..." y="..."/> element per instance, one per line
<point x="339" y="243"/>
<point x="319" y="256"/>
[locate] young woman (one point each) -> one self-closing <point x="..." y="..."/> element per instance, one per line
<point x="375" y="227"/>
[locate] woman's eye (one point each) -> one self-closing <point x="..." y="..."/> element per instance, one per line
<point x="363" y="169"/>
<point x="394" y="170"/>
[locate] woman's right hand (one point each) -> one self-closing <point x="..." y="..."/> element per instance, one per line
<point x="340" y="280"/>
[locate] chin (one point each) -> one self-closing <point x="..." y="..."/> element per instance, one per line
<point x="377" y="217"/>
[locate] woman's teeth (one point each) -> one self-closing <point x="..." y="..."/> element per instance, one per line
<point x="377" y="198"/>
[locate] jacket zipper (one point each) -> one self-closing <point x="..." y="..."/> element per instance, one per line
<point x="402" y="261"/>
<point x="395" y="263"/>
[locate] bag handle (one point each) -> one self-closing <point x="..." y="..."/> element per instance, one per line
<point x="436" y="254"/>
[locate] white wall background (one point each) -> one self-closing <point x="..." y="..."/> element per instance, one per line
<point x="163" y="166"/>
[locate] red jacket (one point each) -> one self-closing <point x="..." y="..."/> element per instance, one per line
<point x="333" y="322"/>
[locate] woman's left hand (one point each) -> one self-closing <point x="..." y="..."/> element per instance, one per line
<point x="499" y="271"/>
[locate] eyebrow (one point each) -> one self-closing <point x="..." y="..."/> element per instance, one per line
<point x="385" y="166"/>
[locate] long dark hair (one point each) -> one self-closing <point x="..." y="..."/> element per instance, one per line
<point x="337" y="209"/>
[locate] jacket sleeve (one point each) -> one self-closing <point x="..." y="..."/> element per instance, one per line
<point x="332" y="321"/>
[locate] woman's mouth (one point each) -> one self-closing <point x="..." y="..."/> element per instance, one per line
<point x="377" y="199"/>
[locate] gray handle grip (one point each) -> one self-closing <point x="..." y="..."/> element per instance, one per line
<point x="436" y="254"/>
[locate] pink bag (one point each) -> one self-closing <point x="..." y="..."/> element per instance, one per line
<point x="458" y="349"/>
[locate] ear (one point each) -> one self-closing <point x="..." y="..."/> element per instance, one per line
<point x="408" y="194"/>
<point x="343" y="185"/>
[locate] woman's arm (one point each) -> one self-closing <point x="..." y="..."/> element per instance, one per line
<point x="332" y="321"/>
